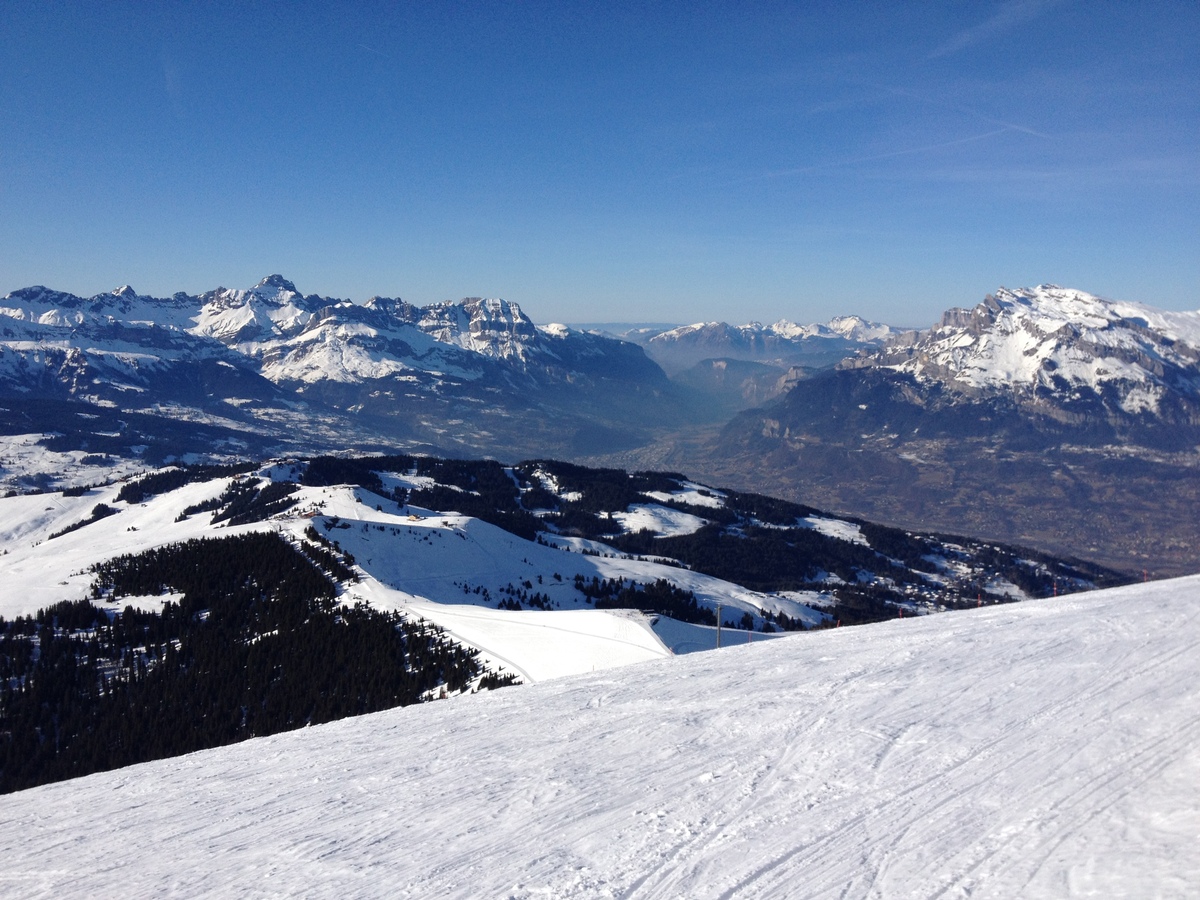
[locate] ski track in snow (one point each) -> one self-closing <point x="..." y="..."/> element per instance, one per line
<point x="1045" y="749"/>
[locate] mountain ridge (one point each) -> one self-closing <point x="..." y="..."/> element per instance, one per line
<point x="783" y="344"/>
<point x="1034" y="342"/>
<point x="393" y="370"/>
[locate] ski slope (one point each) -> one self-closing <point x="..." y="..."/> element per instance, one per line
<point x="1043" y="749"/>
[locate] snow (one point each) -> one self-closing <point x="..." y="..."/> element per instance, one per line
<point x="550" y="483"/>
<point x="1036" y="750"/>
<point x="691" y="494"/>
<point x="411" y="482"/>
<point x="287" y="337"/>
<point x="684" y="637"/>
<point x="851" y="328"/>
<point x="38" y="571"/>
<point x="149" y="603"/>
<point x="450" y="569"/>
<point x="540" y="645"/>
<point x="662" y="519"/>
<point x="26" y="463"/>
<point x="836" y="528"/>
<point x="329" y="354"/>
<point x="1030" y="338"/>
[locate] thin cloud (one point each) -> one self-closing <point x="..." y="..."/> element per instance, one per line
<point x="910" y="151"/>
<point x="968" y="110"/>
<point x="1160" y="172"/>
<point x="1010" y="15"/>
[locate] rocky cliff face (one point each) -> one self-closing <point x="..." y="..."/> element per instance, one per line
<point x="1060" y="352"/>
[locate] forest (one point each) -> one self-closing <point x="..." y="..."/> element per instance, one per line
<point x="255" y="644"/>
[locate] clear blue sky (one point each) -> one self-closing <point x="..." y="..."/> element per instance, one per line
<point x="607" y="161"/>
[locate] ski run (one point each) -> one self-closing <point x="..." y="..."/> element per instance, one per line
<point x="1049" y="748"/>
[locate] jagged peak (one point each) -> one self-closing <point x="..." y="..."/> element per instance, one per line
<point x="278" y="282"/>
<point x="37" y="292"/>
<point x="394" y="307"/>
<point x="492" y="306"/>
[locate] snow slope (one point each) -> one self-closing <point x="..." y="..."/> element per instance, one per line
<point x="440" y="566"/>
<point x="1043" y="749"/>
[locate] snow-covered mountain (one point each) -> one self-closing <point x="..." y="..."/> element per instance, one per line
<point x="305" y="338"/>
<point x="1045" y="416"/>
<point x="1059" y="350"/>
<point x="400" y="372"/>
<point x="1040" y="750"/>
<point x="768" y="559"/>
<point x="783" y="344"/>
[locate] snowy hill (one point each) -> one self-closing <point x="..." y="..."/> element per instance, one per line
<point x="194" y="607"/>
<point x="437" y="533"/>
<point x="1046" y="749"/>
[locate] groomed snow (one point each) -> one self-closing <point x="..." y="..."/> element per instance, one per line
<point x="1037" y="750"/>
<point x="548" y="645"/>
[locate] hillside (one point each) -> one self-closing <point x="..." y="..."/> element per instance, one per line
<point x="1045" y="749"/>
<point x="197" y="606"/>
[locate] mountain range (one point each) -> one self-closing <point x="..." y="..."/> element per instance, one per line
<point x="1047" y="413"/>
<point x="781" y="345"/>
<point x="475" y="375"/>
<point x="1045" y="416"/>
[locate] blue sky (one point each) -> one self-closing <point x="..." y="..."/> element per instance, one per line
<point x="607" y="161"/>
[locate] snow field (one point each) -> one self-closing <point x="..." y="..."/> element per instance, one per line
<point x="665" y="521"/>
<point x="835" y="528"/>
<point x="24" y="462"/>
<point x="540" y="645"/>
<point x="1045" y="749"/>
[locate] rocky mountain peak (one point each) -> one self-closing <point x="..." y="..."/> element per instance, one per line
<point x="275" y="284"/>
<point x="1049" y="342"/>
